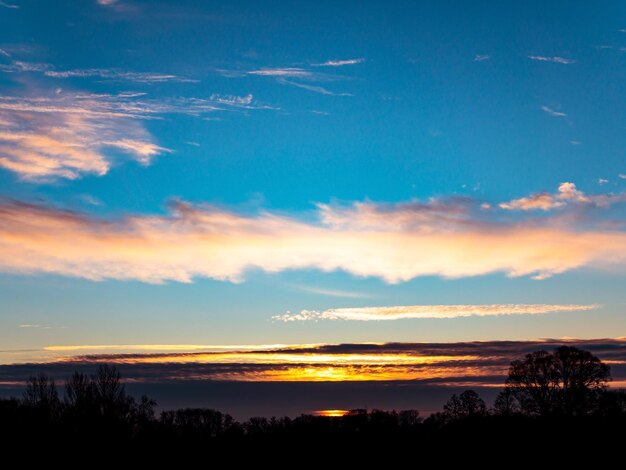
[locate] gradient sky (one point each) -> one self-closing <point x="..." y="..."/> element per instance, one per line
<point x="235" y="173"/>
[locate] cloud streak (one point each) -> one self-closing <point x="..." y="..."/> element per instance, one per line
<point x="447" y="364"/>
<point x="313" y="88"/>
<point x="340" y="63"/>
<point x="281" y="72"/>
<point x="552" y="112"/>
<point x="428" y="311"/>
<point x="553" y="59"/>
<point x="394" y="242"/>
<point x="119" y="75"/>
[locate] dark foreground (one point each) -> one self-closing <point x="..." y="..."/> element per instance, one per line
<point x="554" y="409"/>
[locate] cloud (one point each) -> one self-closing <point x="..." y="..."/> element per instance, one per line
<point x="313" y="88"/>
<point x="552" y="112"/>
<point x="543" y="201"/>
<point x="118" y="75"/>
<point x="9" y="5"/>
<point x="622" y="176"/>
<point x="333" y="292"/>
<point x="428" y="311"/>
<point x="481" y="57"/>
<point x="232" y="100"/>
<point x="4" y="53"/>
<point x="106" y="2"/>
<point x="447" y="364"/>
<point x="394" y="242"/>
<point x="281" y="72"/>
<point x="340" y="63"/>
<point x="602" y="181"/>
<point x="69" y="135"/>
<point x="567" y="193"/>
<point x="554" y="59"/>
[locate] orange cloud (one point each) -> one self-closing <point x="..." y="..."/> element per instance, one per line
<point x="393" y="242"/>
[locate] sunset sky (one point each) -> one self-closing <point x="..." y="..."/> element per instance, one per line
<point x="245" y="176"/>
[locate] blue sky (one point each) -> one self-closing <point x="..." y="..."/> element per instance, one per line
<point x="149" y="143"/>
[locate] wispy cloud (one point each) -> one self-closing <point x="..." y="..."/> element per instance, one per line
<point x="567" y="193"/>
<point x="554" y="59"/>
<point x="107" y="74"/>
<point x="118" y="75"/>
<point x="68" y="135"/>
<point x="287" y="75"/>
<point x="622" y="176"/>
<point x="313" y="88"/>
<point x="481" y="57"/>
<point x="394" y="242"/>
<point x="552" y="112"/>
<point x="35" y="326"/>
<point x="428" y="311"/>
<point x="232" y="100"/>
<point x="340" y="63"/>
<point x="9" y="5"/>
<point x="4" y="53"/>
<point x="333" y="292"/>
<point x="106" y="2"/>
<point x="281" y="72"/>
<point x="602" y="181"/>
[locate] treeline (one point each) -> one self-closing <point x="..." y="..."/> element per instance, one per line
<point x="563" y="392"/>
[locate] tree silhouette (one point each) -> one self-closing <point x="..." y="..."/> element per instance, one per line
<point x="565" y="381"/>
<point x="465" y="405"/>
<point x="42" y="397"/>
<point x="506" y="403"/>
<point x="110" y="393"/>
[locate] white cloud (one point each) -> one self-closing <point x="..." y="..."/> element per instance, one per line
<point x="554" y="59"/>
<point x="552" y="112"/>
<point x="428" y="311"/>
<point x="313" y="88"/>
<point x="340" y="63"/>
<point x="232" y="100"/>
<point x="9" y="5"/>
<point x="622" y="176"/>
<point x="281" y="72"/>
<point x="481" y="57"/>
<point x="106" y="2"/>
<point x="333" y="292"/>
<point x="118" y="75"/>
<point x="602" y="181"/>
<point x="4" y="53"/>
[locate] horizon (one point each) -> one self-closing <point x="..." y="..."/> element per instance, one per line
<point x="324" y="194"/>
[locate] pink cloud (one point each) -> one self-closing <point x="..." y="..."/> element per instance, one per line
<point x="203" y="241"/>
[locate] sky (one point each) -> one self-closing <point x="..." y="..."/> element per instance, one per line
<point x="181" y="176"/>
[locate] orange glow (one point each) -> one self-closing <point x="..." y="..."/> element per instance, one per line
<point x="331" y="413"/>
<point x="287" y="358"/>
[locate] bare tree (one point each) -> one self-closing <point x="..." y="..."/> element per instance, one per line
<point x="465" y="405"/>
<point x="564" y="381"/>
<point x="41" y="394"/>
